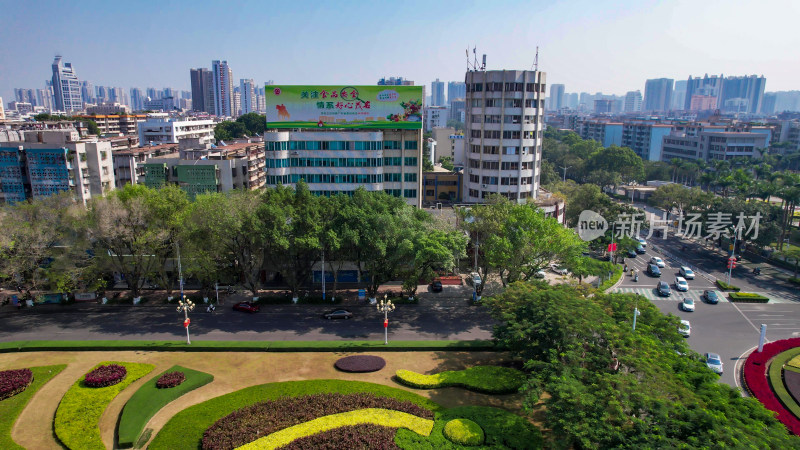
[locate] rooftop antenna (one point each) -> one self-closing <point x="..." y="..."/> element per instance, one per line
<point x="475" y="55"/>
<point x="535" y="65"/>
<point x="483" y="65"/>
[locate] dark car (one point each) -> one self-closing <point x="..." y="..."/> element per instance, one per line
<point x="711" y="297"/>
<point x="641" y="250"/>
<point x="632" y="253"/>
<point x="436" y="286"/>
<point x="338" y="314"/>
<point x="246" y="307"/>
<point x="653" y="270"/>
<point x="663" y="289"/>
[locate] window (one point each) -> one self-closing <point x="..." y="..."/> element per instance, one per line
<point x="509" y="165"/>
<point x="409" y="193"/>
<point x="103" y="155"/>
<point x="473" y="193"/>
<point x="529" y="135"/>
<point x="391" y="177"/>
<point x="477" y="87"/>
<point x="476" y="103"/>
<point x="490" y="149"/>
<point x="410" y="161"/>
<point x="392" y="161"/>
<point x="512" y="119"/>
<point x="491" y="165"/>
<point x="410" y="177"/>
<point x="492" y="134"/>
<point x="529" y="103"/>
<point x="508" y="181"/>
<point x="476" y="118"/>
<point x="475" y="148"/>
<point x="491" y="102"/>
<point x="393" y="192"/>
<point x="494" y="87"/>
<point x="391" y="145"/>
<point x="513" y="87"/>
<point x="512" y="103"/>
<point x="491" y="119"/>
<point x="474" y="163"/>
<point x="475" y="133"/>
<point x="411" y="145"/>
<point x="511" y="150"/>
<point x="489" y="180"/>
<point x="474" y="179"/>
<point x="510" y="134"/>
<point x="430" y="192"/>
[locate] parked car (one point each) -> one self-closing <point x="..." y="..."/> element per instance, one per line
<point x="436" y="286"/>
<point x="681" y="284"/>
<point x="687" y="305"/>
<point x="711" y="297"/>
<point x="540" y="274"/>
<point x="685" y="328"/>
<point x="657" y="261"/>
<point x="338" y="314"/>
<point x="653" y="270"/>
<point x="246" y="307"/>
<point x="558" y="269"/>
<point x="686" y="273"/>
<point x="632" y="253"/>
<point x="663" y="289"/>
<point x="714" y="362"/>
<point x="641" y="250"/>
<point x="642" y="242"/>
<point x="474" y="279"/>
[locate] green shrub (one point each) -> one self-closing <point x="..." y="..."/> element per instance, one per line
<point x="11" y="408"/>
<point x="747" y="297"/>
<point x="148" y="400"/>
<point x="794" y="280"/>
<point x="78" y="414"/>
<point x="726" y="287"/>
<point x="464" y="432"/>
<point x="486" y="379"/>
<point x="185" y="429"/>
<point x="611" y="281"/>
<point x="376" y="416"/>
<point x="501" y="429"/>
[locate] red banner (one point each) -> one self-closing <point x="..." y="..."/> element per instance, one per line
<point x="385" y="323"/>
<point x="612" y="247"/>
<point x="186" y="323"/>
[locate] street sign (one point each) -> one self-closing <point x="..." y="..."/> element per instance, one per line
<point x="385" y="323"/>
<point x="362" y="294"/>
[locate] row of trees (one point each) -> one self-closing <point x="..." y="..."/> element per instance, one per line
<point x="250" y="124"/>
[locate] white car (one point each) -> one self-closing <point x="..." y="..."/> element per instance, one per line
<point x="681" y="284"/>
<point x="657" y="261"/>
<point x="687" y="305"/>
<point x="539" y="274"/>
<point x="558" y="269"/>
<point x="475" y="278"/>
<point x="685" y="328"/>
<point x="686" y="273"/>
<point x="714" y="362"/>
<point x="642" y="242"/>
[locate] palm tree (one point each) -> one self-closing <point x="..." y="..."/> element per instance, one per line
<point x="675" y="163"/>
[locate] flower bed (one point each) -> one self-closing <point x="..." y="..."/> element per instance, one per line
<point x="360" y="363"/>
<point x="747" y="297"/>
<point x="105" y="376"/>
<point x="12" y="382"/>
<point x="463" y="432"/>
<point x="351" y="436"/>
<point x="250" y="423"/>
<point x="170" y="380"/>
<point x="486" y="379"/>
<point x="755" y="377"/>
<point x="11" y="408"/>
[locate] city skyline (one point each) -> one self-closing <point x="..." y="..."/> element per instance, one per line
<point x="672" y="40"/>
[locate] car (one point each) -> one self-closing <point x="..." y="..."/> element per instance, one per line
<point x="687" y="304"/>
<point x="686" y="273"/>
<point x="338" y="314"/>
<point x="641" y="250"/>
<point x="642" y="242"/>
<point x="681" y="284"/>
<point x="711" y="297"/>
<point x="632" y="253"/>
<point x="436" y="286"/>
<point x="657" y="261"/>
<point x="663" y="289"/>
<point x="246" y="307"/>
<point x="540" y="274"/>
<point x="714" y="362"/>
<point x="653" y="270"/>
<point x="685" y="328"/>
<point x="474" y="279"/>
<point x="558" y="269"/>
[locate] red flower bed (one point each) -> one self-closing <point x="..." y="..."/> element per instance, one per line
<point x="360" y="363"/>
<point x="170" y="380"/>
<point x="105" y="376"/>
<point x="12" y="382"/>
<point x="248" y="424"/>
<point x="757" y="381"/>
<point x="353" y="436"/>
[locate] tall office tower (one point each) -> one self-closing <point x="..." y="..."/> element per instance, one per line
<point x="100" y="94"/>
<point x="658" y="94"/>
<point x="679" y="95"/>
<point x="66" y="87"/>
<point x="223" y="88"/>
<point x="169" y="92"/>
<point x="455" y="89"/>
<point x="137" y="99"/>
<point x="202" y="82"/>
<point x="633" y="101"/>
<point x="87" y="92"/>
<point x="556" y="96"/>
<point x="571" y="100"/>
<point x="186" y="95"/>
<point x="703" y="87"/>
<point x="247" y="90"/>
<point x="237" y="103"/>
<point x="151" y="93"/>
<point x="437" y="93"/>
<point x="44" y="99"/>
<point x="742" y="94"/>
<point x="768" y="105"/>
<point x="117" y="95"/>
<point x="504" y="131"/>
<point x="25" y="96"/>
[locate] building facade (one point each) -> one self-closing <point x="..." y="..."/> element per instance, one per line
<point x="658" y="94"/>
<point x="441" y="185"/>
<point x="504" y="131"/>
<point x="708" y="143"/>
<point x="556" y="97"/>
<point x="704" y="87"/>
<point x="455" y="90"/>
<point x="742" y="94"/>
<point x="633" y="101"/>
<point x="437" y="93"/>
<point x="247" y="91"/>
<point x="66" y="87"/>
<point x="436" y="117"/>
<point x="223" y="88"/>
<point x="159" y="128"/>
<point x="201" y="79"/>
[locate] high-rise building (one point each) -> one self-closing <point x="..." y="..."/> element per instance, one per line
<point x="504" y="127"/>
<point x="25" y="96"/>
<point x="455" y="89"/>
<point x="44" y="98"/>
<point x="556" y="96"/>
<point x="117" y="95"/>
<point x="768" y="105"/>
<point x="223" y="88"/>
<point x="658" y="94"/>
<point x="633" y="101"/>
<point x="202" y="79"/>
<point x="742" y="94"/>
<point x="87" y="92"/>
<point x="237" y="102"/>
<point x="679" y="95"/>
<point x="151" y="93"/>
<point x="102" y="94"/>
<point x="392" y="81"/>
<point x="137" y="99"/>
<point x="703" y="87"/>
<point x="66" y="87"/>
<point x="437" y="93"/>
<point x="247" y="91"/>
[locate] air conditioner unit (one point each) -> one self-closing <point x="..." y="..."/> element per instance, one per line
<point x="483" y="186"/>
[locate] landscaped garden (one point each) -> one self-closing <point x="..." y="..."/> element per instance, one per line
<point x="773" y="377"/>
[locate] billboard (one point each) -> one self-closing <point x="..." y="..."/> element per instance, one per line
<point x="344" y="106"/>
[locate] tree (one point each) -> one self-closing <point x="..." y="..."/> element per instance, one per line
<point x="166" y="207"/>
<point x="447" y="162"/>
<point x="548" y="174"/>
<point x="254" y="123"/>
<point x="457" y="124"/>
<point x="227" y="130"/>
<point x="91" y="125"/>
<point x="621" y="160"/>
<point x="792" y="253"/>
<point x="431" y="249"/>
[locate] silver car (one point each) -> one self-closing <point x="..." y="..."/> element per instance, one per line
<point x="714" y="362"/>
<point x="686" y="273"/>
<point x="685" y="328"/>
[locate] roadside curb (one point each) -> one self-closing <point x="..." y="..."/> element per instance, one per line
<point x="616" y="285"/>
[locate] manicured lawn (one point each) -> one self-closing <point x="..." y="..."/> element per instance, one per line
<point x="776" y="380"/>
<point x="78" y="414"/>
<point x="486" y="379"/>
<point x="149" y="399"/>
<point x="11" y="408"/>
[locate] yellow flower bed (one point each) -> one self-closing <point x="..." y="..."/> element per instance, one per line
<point x="377" y="416"/>
<point x="794" y="362"/>
<point x="485" y="379"/>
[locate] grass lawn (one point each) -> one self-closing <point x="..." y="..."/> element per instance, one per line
<point x="11" y="407"/>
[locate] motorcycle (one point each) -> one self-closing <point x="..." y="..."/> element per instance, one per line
<point x="636" y="277"/>
<point x="757" y="271"/>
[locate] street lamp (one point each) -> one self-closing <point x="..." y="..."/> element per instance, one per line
<point x="185" y="305"/>
<point x="385" y="306"/>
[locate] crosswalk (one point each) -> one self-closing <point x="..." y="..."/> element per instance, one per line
<point x="696" y="295"/>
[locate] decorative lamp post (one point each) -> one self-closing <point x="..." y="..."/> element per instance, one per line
<point x="385" y="306"/>
<point x="185" y="305"/>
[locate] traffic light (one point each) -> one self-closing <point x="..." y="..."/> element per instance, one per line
<point x="731" y="263"/>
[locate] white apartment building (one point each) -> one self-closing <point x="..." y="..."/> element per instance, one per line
<point x="503" y="130"/>
<point x="247" y="91"/>
<point x="223" y="88"/>
<point x="159" y="128"/>
<point x="436" y="117"/>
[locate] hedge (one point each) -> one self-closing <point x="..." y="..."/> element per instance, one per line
<point x="501" y="428"/>
<point x="376" y="416"/>
<point x="78" y="414"/>
<point x="747" y="297"/>
<point x="11" y="408"/>
<point x="185" y="429"/>
<point x="776" y="381"/>
<point x="464" y="432"/>
<point x="486" y="379"/>
<point x="149" y="399"/>
<point x="726" y="287"/>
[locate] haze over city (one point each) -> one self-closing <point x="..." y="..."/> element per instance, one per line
<point x="585" y="45"/>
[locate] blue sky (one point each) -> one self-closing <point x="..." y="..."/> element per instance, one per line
<point x="587" y="45"/>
